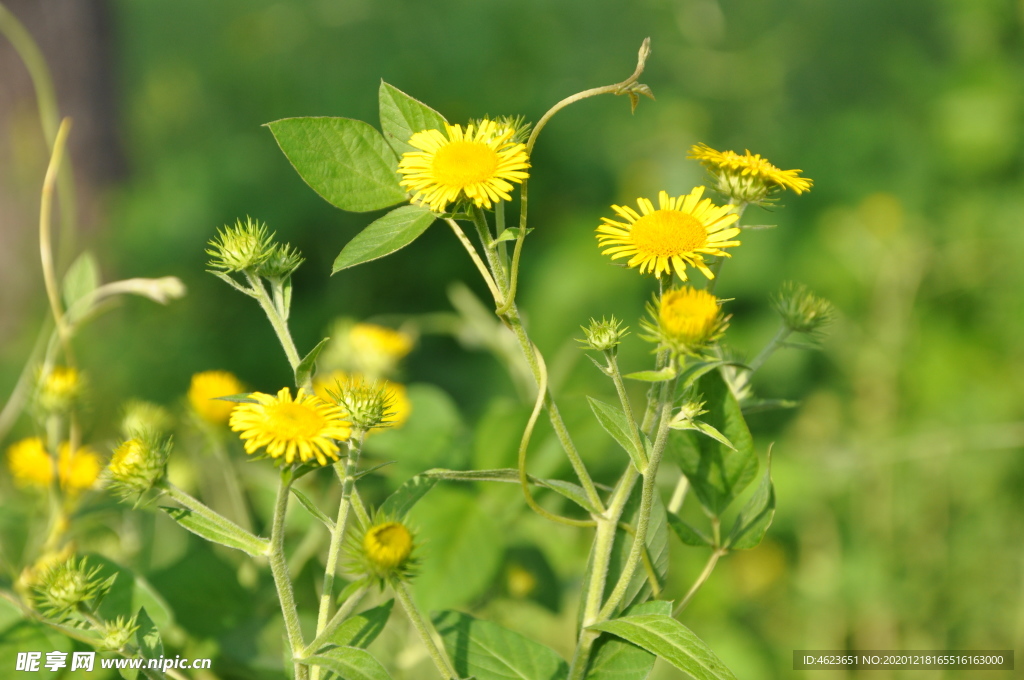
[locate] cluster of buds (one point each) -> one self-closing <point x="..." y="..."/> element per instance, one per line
<point x="801" y="310"/>
<point x="685" y="320"/>
<point x="138" y="465"/>
<point x="250" y="248"/>
<point x="604" y="335"/>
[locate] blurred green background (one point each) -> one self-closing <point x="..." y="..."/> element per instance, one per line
<point x="899" y="478"/>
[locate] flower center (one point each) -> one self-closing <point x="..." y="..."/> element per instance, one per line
<point x="460" y="164"/>
<point x="388" y="545"/>
<point x="291" y="421"/>
<point x="665" y="233"/>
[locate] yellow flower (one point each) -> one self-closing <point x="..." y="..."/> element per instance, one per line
<point x="387" y="546"/>
<point x="79" y="470"/>
<point x="59" y="388"/>
<point x="205" y="389"/>
<point x="748" y="177"/>
<point x="30" y="464"/>
<point x="307" y="426"/>
<point x="478" y="163"/>
<point x="681" y="232"/>
<point x="400" y="406"/>
<point x="378" y="348"/>
<point x="686" y="320"/>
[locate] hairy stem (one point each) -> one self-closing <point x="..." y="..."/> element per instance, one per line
<point x="284" y="335"/>
<point x="708" y="568"/>
<point x="344" y="611"/>
<point x="425" y="630"/>
<point x="282" y="580"/>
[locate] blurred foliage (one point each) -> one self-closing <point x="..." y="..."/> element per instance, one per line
<point x="898" y="480"/>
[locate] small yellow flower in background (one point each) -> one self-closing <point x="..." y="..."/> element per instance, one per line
<point x="687" y="319"/>
<point x="60" y="388"/>
<point x="676" y="235"/>
<point x="747" y="178"/>
<point x="204" y="390"/>
<point x="478" y="163"/>
<point x="521" y="582"/>
<point x="29" y="462"/>
<point x="378" y="347"/>
<point x="306" y="428"/>
<point x="79" y="470"/>
<point x="400" y="407"/>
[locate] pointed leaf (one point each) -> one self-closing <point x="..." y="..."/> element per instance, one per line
<point x="222" y="531"/>
<point x="703" y="428"/>
<point x="672" y="641"/>
<point x="664" y="374"/>
<point x="81" y="279"/>
<point x="346" y="161"/>
<point x="350" y="663"/>
<point x="510" y="234"/>
<point x="615" y="423"/>
<point x="756" y="516"/>
<point x="717" y="472"/>
<point x="147" y="637"/>
<point x="615" y="659"/>
<point x="242" y="398"/>
<point x="687" y="533"/>
<point x="490" y="652"/>
<point x="394" y="231"/>
<point x="305" y="368"/>
<point x="398" y="504"/>
<point x="761" y="405"/>
<point x="311" y="508"/>
<point x="363" y="628"/>
<point x="401" y="116"/>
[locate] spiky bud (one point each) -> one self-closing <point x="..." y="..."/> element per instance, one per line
<point x="67" y="586"/>
<point x="138" y="465"/>
<point x="241" y="247"/>
<point x="282" y="263"/>
<point x="604" y="335"/>
<point x="366" y="405"/>
<point x="801" y="310"/>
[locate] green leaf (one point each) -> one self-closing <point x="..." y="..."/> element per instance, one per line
<point x="510" y="234"/>
<point x="399" y="503"/>
<point x="717" y="472"/>
<point x="672" y="641"/>
<point x="615" y="659"/>
<point x="687" y="533"/>
<point x="394" y="231"/>
<point x="305" y="368"/>
<point x="694" y="372"/>
<point x="148" y="640"/>
<point x="615" y="423"/>
<point x="350" y="663"/>
<point x="346" y="161"/>
<point x="761" y="405"/>
<point x="756" y="516"/>
<point x="573" y="492"/>
<point x="363" y="628"/>
<point x="488" y="651"/>
<point x="664" y="374"/>
<point x="311" y="508"/>
<point x="242" y="398"/>
<point x="81" y="279"/>
<point x="401" y="116"/>
<point x="222" y="531"/>
<point x="704" y="428"/>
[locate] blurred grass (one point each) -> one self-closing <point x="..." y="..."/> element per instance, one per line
<point x="899" y="478"/>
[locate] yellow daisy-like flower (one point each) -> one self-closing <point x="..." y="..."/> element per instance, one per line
<point x="79" y="470"/>
<point x="748" y="177"/>
<point x="387" y="546"/>
<point x="479" y="163"/>
<point x="30" y="464"/>
<point x="204" y="390"/>
<point x="689" y="317"/>
<point x="676" y="235"/>
<point x="59" y="388"/>
<point x="369" y="338"/>
<point x="306" y="427"/>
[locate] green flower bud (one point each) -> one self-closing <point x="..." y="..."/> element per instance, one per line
<point x="241" y="247"/>
<point x="383" y="551"/>
<point x="283" y="261"/>
<point x="801" y="310"/>
<point x="366" y="405"/>
<point x="66" y="586"/>
<point x="138" y="465"/>
<point x="118" y="633"/>
<point x="144" y="418"/>
<point x="604" y="335"/>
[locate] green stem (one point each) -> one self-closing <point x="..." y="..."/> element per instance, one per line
<point x="45" y="246"/>
<point x="282" y="580"/>
<point x="493" y="258"/>
<point x="355" y="446"/>
<point x="627" y="409"/>
<point x="679" y="494"/>
<point x="780" y="337"/>
<point x="708" y="568"/>
<point x="279" y="324"/>
<point x="425" y="630"/>
<point x="344" y="611"/>
<point x="475" y="257"/>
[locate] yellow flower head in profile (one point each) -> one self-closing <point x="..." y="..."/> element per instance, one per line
<point x="479" y="163"/>
<point x="29" y="462"/>
<point x="60" y="388"/>
<point x="686" y="319"/>
<point x="747" y="178"/>
<point x="680" y="233"/>
<point x="78" y="470"/>
<point x="138" y="464"/>
<point x="204" y="390"/>
<point x="384" y="550"/>
<point x="303" y="429"/>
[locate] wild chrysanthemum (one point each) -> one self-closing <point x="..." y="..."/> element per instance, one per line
<point x="204" y="390"/>
<point x="305" y="428"/>
<point x="29" y="462"/>
<point x="747" y="178"/>
<point x="78" y="470"/>
<point x="479" y="163"/>
<point x="680" y="233"/>
<point x="686" y="320"/>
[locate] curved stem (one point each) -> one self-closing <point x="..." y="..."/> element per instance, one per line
<point x="708" y="568"/>
<point x="475" y="256"/>
<point x="426" y="631"/>
<point x="45" y="246"/>
<point x="282" y="580"/>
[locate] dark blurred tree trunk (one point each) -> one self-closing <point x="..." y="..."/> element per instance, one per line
<point x="76" y="39"/>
